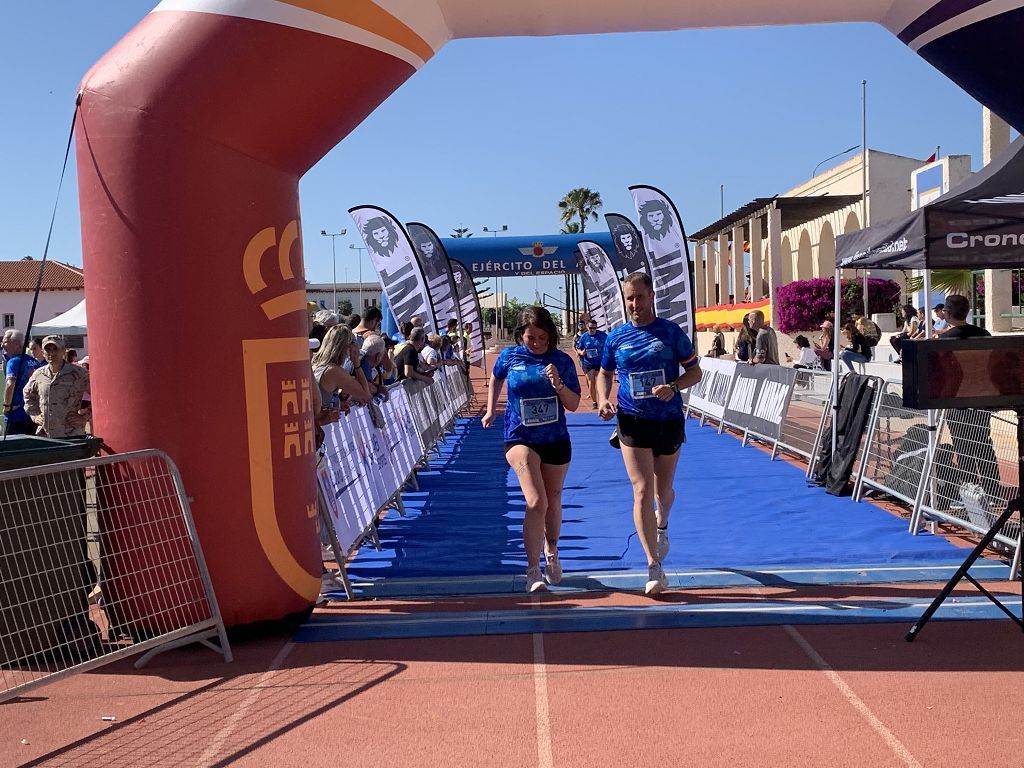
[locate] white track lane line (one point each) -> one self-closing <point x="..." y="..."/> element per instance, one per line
<point x="897" y="746"/>
<point x="545" y="758"/>
<point x="210" y="755"/>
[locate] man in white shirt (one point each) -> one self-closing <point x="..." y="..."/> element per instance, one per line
<point x="939" y="322"/>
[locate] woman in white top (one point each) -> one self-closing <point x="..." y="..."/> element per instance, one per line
<point x="807" y="357"/>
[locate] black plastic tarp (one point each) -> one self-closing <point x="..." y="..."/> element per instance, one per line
<point x="978" y="224"/>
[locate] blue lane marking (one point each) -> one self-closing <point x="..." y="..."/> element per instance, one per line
<point x="656" y="616"/>
<point x="698" y="579"/>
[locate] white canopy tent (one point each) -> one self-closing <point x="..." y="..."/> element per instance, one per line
<point x="71" y="322"/>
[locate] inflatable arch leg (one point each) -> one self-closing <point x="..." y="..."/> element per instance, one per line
<point x="191" y="138"/>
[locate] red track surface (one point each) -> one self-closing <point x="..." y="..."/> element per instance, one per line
<point x="708" y="697"/>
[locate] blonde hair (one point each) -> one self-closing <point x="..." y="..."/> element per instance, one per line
<point x="336" y="346"/>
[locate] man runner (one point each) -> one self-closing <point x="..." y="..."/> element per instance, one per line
<point x="648" y="353"/>
<point x="589" y="348"/>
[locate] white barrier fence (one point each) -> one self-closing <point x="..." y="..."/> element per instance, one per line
<point x="369" y="456"/>
<point x="965" y="480"/>
<point x="99" y="560"/>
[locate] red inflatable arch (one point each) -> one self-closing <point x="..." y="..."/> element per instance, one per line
<point x="192" y="135"/>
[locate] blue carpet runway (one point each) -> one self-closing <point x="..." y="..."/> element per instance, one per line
<point x="738" y="516"/>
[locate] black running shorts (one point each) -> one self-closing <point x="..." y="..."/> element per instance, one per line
<point x="558" y="454"/>
<point x="662" y="436"/>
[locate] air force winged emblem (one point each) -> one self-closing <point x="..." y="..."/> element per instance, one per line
<point x="538" y="250"/>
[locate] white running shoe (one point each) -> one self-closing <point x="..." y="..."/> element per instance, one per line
<point x="657" y="581"/>
<point x="534" y="580"/>
<point x="661" y="548"/>
<point x="553" y="569"/>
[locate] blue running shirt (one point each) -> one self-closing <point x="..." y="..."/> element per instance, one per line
<point x="593" y="348"/>
<point x="646" y="356"/>
<point x="534" y="413"/>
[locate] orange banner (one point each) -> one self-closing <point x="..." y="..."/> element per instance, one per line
<point x="730" y="314"/>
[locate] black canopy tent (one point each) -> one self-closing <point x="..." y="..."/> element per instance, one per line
<point x="978" y="224"/>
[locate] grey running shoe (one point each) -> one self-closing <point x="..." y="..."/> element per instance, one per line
<point x="534" y="580"/>
<point x="657" y="581"/>
<point x="662" y="545"/>
<point x="553" y="569"/>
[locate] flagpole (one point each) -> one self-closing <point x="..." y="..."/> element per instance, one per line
<point x="864" y="176"/>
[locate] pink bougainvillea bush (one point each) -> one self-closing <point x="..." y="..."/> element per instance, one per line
<point x="805" y="303"/>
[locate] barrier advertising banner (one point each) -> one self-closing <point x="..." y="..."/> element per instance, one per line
<point x="347" y="488"/>
<point x="438" y="271"/>
<point x="469" y="309"/>
<point x="759" y="398"/>
<point x="669" y="255"/>
<point x="711" y="394"/>
<point x="363" y="465"/>
<point x="594" y="262"/>
<point x="628" y="244"/>
<point x="392" y="255"/>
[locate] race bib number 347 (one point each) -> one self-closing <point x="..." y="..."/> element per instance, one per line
<point x="538" y="411"/>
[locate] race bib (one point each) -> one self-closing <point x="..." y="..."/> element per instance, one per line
<point x="590" y="354"/>
<point x="642" y="383"/>
<point x="538" y="411"/>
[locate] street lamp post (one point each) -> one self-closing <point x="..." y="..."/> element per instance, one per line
<point x="334" y="261"/>
<point x="499" y="316"/>
<point x="359" y="251"/>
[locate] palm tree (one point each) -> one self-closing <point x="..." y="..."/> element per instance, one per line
<point x="572" y="228"/>
<point x="461" y="231"/>
<point x="945" y="281"/>
<point x="580" y="203"/>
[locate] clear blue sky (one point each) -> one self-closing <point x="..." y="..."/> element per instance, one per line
<point x="494" y="132"/>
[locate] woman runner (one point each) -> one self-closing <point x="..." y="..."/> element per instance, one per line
<point x="542" y="386"/>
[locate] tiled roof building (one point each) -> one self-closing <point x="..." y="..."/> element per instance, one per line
<point x="22" y="275"/>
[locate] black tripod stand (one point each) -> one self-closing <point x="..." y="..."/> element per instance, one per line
<point x="962" y="572"/>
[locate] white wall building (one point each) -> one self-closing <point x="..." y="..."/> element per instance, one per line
<point x="361" y="295"/>
<point x="63" y="287"/>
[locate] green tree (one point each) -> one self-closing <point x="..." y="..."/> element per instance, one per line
<point x="945" y="281"/>
<point x="510" y="313"/>
<point x="345" y="307"/>
<point x="582" y="204"/>
<point x="461" y="231"/>
<point x="572" y="228"/>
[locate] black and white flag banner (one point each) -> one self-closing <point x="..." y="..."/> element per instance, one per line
<point x="392" y="255"/>
<point x="665" y="243"/>
<point x="628" y="244"/>
<point x="434" y="262"/>
<point x="592" y="294"/>
<point x="469" y="311"/>
<point x="596" y="264"/>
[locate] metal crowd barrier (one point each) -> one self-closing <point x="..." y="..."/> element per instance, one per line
<point x="895" y="448"/>
<point x="99" y="559"/>
<point x="966" y="481"/>
<point x="806" y="415"/>
<point x="972" y="475"/>
<point x="364" y="466"/>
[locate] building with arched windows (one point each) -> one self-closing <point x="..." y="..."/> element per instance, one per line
<point x="743" y="257"/>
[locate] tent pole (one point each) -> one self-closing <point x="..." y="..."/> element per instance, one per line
<point x="932" y="436"/>
<point x="836" y="325"/>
